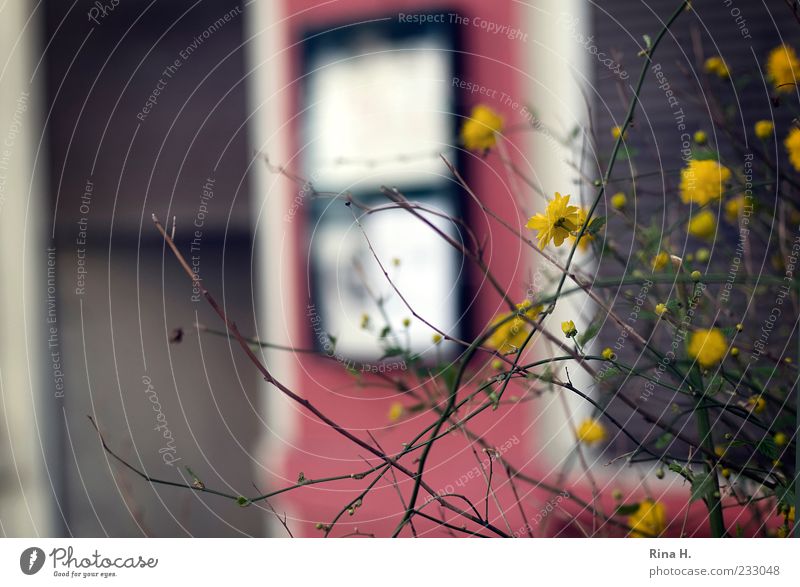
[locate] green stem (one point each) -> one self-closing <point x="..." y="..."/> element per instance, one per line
<point x="706" y="439"/>
<point x="648" y="55"/>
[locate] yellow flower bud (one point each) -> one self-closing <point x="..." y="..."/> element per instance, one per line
<point x="618" y="201"/>
<point x="591" y="431"/>
<point x="568" y="328"/>
<point x="700" y="137"/>
<point x="764" y="129"/>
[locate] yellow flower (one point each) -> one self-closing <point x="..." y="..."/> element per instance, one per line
<point x="702" y="255"/>
<point x="615" y="132"/>
<point x="780" y="438"/>
<point x="733" y="208"/>
<point x="559" y="220"/>
<point x="660" y="261"/>
<point x="764" y="129"/>
<point x="700" y="137"/>
<point x="702" y="181"/>
<point x="756" y="403"/>
<point x="717" y="66"/>
<point x="364" y="321"/>
<point x="479" y="131"/>
<point x="510" y="336"/>
<point x="792" y="144"/>
<point x="586" y="238"/>
<point x="782" y="68"/>
<point x="648" y="520"/>
<point x="608" y="354"/>
<point x="568" y="328"/>
<point x="661" y="309"/>
<point x="395" y="411"/>
<point x="406" y="322"/>
<point x="591" y="431"/>
<point x="703" y="224"/>
<point x="436" y="338"/>
<point x="708" y="347"/>
<point x="618" y="201"/>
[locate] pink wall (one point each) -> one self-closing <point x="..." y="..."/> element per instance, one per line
<point x="493" y="61"/>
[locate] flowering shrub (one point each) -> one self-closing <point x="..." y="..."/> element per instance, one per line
<point x="702" y="315"/>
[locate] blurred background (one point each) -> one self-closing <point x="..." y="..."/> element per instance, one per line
<point x="115" y="110"/>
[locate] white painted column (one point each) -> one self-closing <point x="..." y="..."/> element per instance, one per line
<point x="277" y="306"/>
<point x="27" y="403"/>
<point x="558" y="72"/>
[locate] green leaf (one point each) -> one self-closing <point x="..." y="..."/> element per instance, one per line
<point x="591" y="331"/>
<point x="391" y="351"/>
<point x="648" y="42"/>
<point x="626" y="509"/>
<point x="663" y="441"/>
<point x="595" y="225"/>
<point x="678" y="468"/>
<point x="785" y="495"/>
<point x="767" y="447"/>
<point x="702" y="154"/>
<point x="243" y="501"/>
<point x="386" y="330"/>
<point x="627" y="153"/>
<point x="608" y="373"/>
<point x="702" y="487"/>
